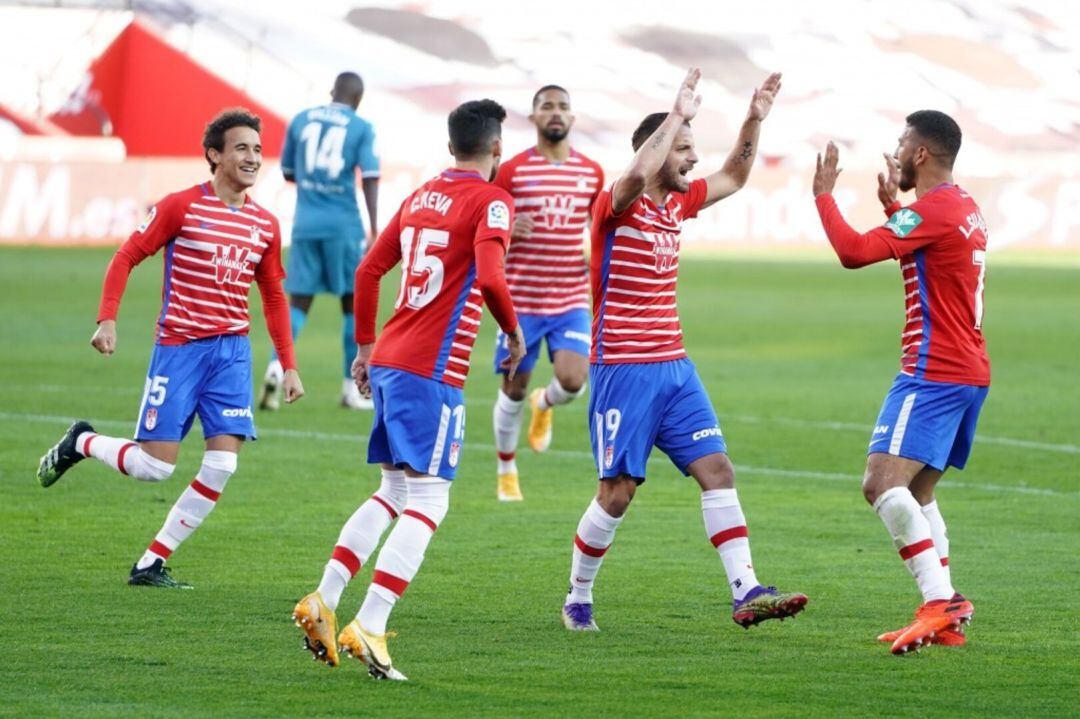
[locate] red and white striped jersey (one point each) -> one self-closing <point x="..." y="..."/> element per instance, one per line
<point x="436" y="236"/>
<point x="212" y="254"/>
<point x="546" y="271"/>
<point x="634" y="269"/>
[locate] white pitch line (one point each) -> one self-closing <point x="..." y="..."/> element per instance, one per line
<point x="576" y="454"/>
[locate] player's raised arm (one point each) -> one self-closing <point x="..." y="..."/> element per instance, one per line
<point x="380" y="259"/>
<point x="654" y="151"/>
<point x="856" y="249"/>
<point x="736" y="170"/>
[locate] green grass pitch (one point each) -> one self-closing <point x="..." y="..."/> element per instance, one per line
<point x="797" y="357"/>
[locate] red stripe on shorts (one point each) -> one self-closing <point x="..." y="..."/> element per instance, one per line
<point x="587" y="550"/>
<point x="918" y="548"/>
<point x="728" y="534"/>
<point x="416" y="515"/>
<point x="397" y="585"/>
<point x="346" y="557"/>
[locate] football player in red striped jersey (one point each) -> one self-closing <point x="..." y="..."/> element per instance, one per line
<point x="216" y="242"/>
<point x="554" y="187"/>
<point x="645" y="391"/>
<point x="927" y="421"/>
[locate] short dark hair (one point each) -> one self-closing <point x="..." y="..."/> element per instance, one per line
<point x="545" y="88"/>
<point x="940" y="131"/>
<point x="214" y="134"/>
<point x="648" y="127"/>
<point x="474" y="126"/>
<point x="348" y="87"/>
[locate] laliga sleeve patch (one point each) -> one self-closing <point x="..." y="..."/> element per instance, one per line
<point x="149" y="218"/>
<point x="498" y="216"/>
<point x="903" y="222"/>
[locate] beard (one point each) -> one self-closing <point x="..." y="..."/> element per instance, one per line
<point x="907" y="176"/>
<point x="672" y="181"/>
<point x="555" y="134"/>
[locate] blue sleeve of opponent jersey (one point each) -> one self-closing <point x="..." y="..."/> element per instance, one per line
<point x="366" y="158"/>
<point x="288" y="153"/>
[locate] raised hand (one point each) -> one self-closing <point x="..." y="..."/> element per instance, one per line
<point x="827" y="171"/>
<point x="889" y="181"/>
<point x="763" y="98"/>
<point x="686" y="101"/>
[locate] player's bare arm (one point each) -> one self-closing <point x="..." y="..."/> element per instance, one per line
<point x="104" y="339"/>
<point x="370" y="186"/>
<point x="651" y="156"/>
<point x="524" y="224"/>
<point x="736" y="170"/>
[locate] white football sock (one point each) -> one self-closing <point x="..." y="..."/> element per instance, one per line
<point x="123" y="455"/>
<point x="403" y="552"/>
<point x="507" y="420"/>
<point x="554" y="395"/>
<point x="937" y="531"/>
<point x="725" y="526"/>
<point x="193" y="506"/>
<point x="595" y="533"/>
<point x="361" y="534"/>
<point x="911" y="534"/>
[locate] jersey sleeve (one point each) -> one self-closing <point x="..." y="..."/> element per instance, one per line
<point x="695" y="198"/>
<point x="160" y="226"/>
<point x="288" y="152"/>
<point x="599" y="183"/>
<point x="495" y="217"/>
<point x="270" y="268"/>
<point x="366" y="159"/>
<point x="383" y="255"/>
<point x="915" y="226"/>
<point x="504" y="175"/>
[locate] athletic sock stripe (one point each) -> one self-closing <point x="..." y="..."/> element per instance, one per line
<point x="160" y="549"/>
<point x="507" y="456"/>
<point x="944" y="561"/>
<point x="587" y="550"/>
<point x="86" y="445"/>
<point x="348" y="558"/>
<point x="397" y="585"/>
<point x="120" y="457"/>
<point x="205" y="491"/>
<point x="728" y="534"/>
<point x="386" y="505"/>
<point x="416" y="515"/>
<point x="917" y="548"/>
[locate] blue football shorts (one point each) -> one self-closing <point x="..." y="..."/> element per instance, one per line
<point x="633" y="407"/>
<point x="210" y="378"/>
<point x="318" y="266"/>
<point x="566" y="331"/>
<point x="930" y="422"/>
<point x="419" y="422"/>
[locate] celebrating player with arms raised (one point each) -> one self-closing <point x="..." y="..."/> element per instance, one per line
<point x="645" y="391"/>
<point x="927" y="422"/>
<point x="553" y="186"/>
<point x="450" y="236"/>
<point x="216" y="242"/>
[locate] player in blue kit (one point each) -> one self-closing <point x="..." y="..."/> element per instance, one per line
<point x="323" y="149"/>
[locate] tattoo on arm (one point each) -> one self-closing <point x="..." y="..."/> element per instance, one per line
<point x="658" y="140"/>
<point x="747" y="151"/>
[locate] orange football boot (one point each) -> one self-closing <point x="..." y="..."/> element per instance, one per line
<point x="931" y="619"/>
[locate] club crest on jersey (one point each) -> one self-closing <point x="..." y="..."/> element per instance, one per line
<point x="555" y="211"/>
<point x="230" y="262"/>
<point x="665" y="249"/>
<point x="254" y="235"/>
<point x="498" y="215"/>
<point x="455" y="450"/>
<point x="150" y="420"/>
<point x="903" y="222"/>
